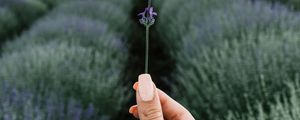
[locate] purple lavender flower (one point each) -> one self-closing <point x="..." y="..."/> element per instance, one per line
<point x="148" y="11"/>
<point x="147" y="20"/>
<point x="147" y="16"/>
<point x="89" y="112"/>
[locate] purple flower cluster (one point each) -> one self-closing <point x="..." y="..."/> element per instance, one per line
<point x="147" y="16"/>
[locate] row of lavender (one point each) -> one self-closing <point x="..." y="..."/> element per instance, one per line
<point x="16" y="14"/>
<point x="232" y="55"/>
<point x="71" y="61"/>
<point x="21" y="104"/>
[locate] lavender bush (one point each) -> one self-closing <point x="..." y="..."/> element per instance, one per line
<point x="208" y="20"/>
<point x="285" y="108"/>
<point x="292" y="4"/>
<point x="77" y="54"/>
<point x="21" y="104"/>
<point x="238" y="18"/>
<point x="73" y="71"/>
<point x="103" y="11"/>
<point x="123" y="4"/>
<point x="16" y="15"/>
<point x="8" y="22"/>
<point x="68" y="29"/>
<point x="238" y="52"/>
<point x="26" y="11"/>
<point x="236" y="72"/>
<point x="176" y="15"/>
<point x="77" y="22"/>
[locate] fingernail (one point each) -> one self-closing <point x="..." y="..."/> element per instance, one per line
<point x="146" y="88"/>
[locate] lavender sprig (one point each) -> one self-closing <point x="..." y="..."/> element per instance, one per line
<point x="147" y="19"/>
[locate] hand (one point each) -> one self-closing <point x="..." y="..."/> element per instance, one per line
<point x="154" y="104"/>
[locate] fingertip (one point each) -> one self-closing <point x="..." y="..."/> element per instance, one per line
<point x="132" y="109"/>
<point x="135" y="85"/>
<point x="146" y="88"/>
<point x="147" y="98"/>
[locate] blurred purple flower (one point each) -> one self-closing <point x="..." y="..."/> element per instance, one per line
<point x="89" y="112"/>
<point x="147" y="16"/>
<point x="148" y="12"/>
<point x="7" y="116"/>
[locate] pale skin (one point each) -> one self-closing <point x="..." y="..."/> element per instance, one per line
<point x="160" y="107"/>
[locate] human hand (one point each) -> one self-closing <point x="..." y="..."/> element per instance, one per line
<point x="154" y="104"/>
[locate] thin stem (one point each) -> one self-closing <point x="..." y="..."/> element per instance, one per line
<point x="147" y="49"/>
<point x="149" y="3"/>
<point x="147" y="43"/>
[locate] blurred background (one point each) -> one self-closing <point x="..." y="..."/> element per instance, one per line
<point x="78" y="59"/>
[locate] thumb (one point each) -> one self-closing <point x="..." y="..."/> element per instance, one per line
<point x="149" y="107"/>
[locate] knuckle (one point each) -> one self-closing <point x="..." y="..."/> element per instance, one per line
<point x="153" y="114"/>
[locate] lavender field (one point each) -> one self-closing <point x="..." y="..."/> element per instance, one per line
<point x="78" y="59"/>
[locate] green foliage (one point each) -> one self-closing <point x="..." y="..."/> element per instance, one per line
<point x="17" y="14"/>
<point x="8" y="22"/>
<point x="214" y="19"/>
<point x="26" y="10"/>
<point x="78" y="22"/>
<point x="21" y="104"/>
<point x="103" y="11"/>
<point x="124" y="4"/>
<point x="67" y="29"/>
<point x="176" y="16"/>
<point x="236" y="71"/>
<point x="74" y="71"/>
<point x="76" y="50"/>
<point x="293" y="4"/>
<point x="229" y="22"/>
<point x="285" y="108"/>
<point x="229" y="52"/>
<point x="53" y="2"/>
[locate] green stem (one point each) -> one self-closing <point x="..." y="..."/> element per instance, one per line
<point x="147" y="43"/>
<point x="147" y="49"/>
<point x="149" y="3"/>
